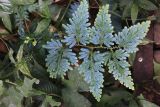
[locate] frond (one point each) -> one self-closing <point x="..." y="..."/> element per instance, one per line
<point x="129" y="38"/>
<point x="119" y="67"/>
<point x="77" y="30"/>
<point x="59" y="59"/>
<point x="101" y="32"/>
<point x="91" y="69"/>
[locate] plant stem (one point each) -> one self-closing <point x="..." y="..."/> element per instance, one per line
<point x="97" y="47"/>
<point x="12" y="83"/>
<point x="65" y="11"/>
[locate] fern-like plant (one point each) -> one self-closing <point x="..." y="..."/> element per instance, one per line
<point x="99" y="47"/>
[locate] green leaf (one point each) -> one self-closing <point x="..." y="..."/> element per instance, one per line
<point x="11" y="56"/>
<point x="124" y="3"/>
<point x="7" y="22"/>
<point x="115" y="97"/>
<point x="33" y="7"/>
<point x="5" y="8"/>
<point x="23" y="67"/>
<point x="145" y="103"/>
<point x="91" y="69"/>
<point x="147" y="5"/>
<point x="130" y="38"/>
<point x="119" y="67"/>
<point x="21" y="63"/>
<point x="13" y="98"/>
<point x="120" y="71"/>
<point x="55" y="11"/>
<point x="70" y="94"/>
<point x="134" y="12"/>
<point x="1" y="87"/>
<point x="127" y="10"/>
<point x="42" y="25"/>
<point x="76" y="81"/>
<point x="103" y="21"/>
<point x="74" y="99"/>
<point x="133" y="103"/>
<point x="22" y="2"/>
<point x="102" y="31"/>
<point x="39" y="71"/>
<point x="59" y="59"/>
<point x="77" y="31"/>
<point x="49" y="101"/>
<point x="157" y="71"/>
<point x="20" y="53"/>
<point x="26" y="87"/>
<point x="44" y="9"/>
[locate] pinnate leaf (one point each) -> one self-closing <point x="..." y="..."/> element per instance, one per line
<point x="130" y="37"/>
<point x="59" y="59"/>
<point x="77" y="30"/>
<point x="92" y="69"/>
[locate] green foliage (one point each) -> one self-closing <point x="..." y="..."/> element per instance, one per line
<point x="145" y="103"/>
<point x="146" y="4"/>
<point x="5" y="8"/>
<point x="49" y="101"/>
<point x="1" y="87"/>
<point x="92" y="68"/>
<point x="114" y="98"/>
<point x="120" y="71"/>
<point x="42" y="25"/>
<point x="15" y="94"/>
<point x="102" y="31"/>
<point x="94" y="58"/>
<point x="122" y="98"/>
<point x="44" y="9"/>
<point x="135" y="9"/>
<point x="26" y="87"/>
<point x="76" y="82"/>
<point x="74" y="85"/>
<point x="20" y="64"/>
<point x="134" y="12"/>
<point x="74" y="99"/>
<point x="59" y="59"/>
<point x="7" y="22"/>
<point x="88" y="56"/>
<point x="129" y="38"/>
<point x="23" y="2"/>
<point x="14" y="98"/>
<point x="77" y="30"/>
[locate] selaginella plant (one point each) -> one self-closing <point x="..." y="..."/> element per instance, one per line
<point x="98" y="48"/>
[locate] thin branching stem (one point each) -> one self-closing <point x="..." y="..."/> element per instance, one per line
<point x="97" y="47"/>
